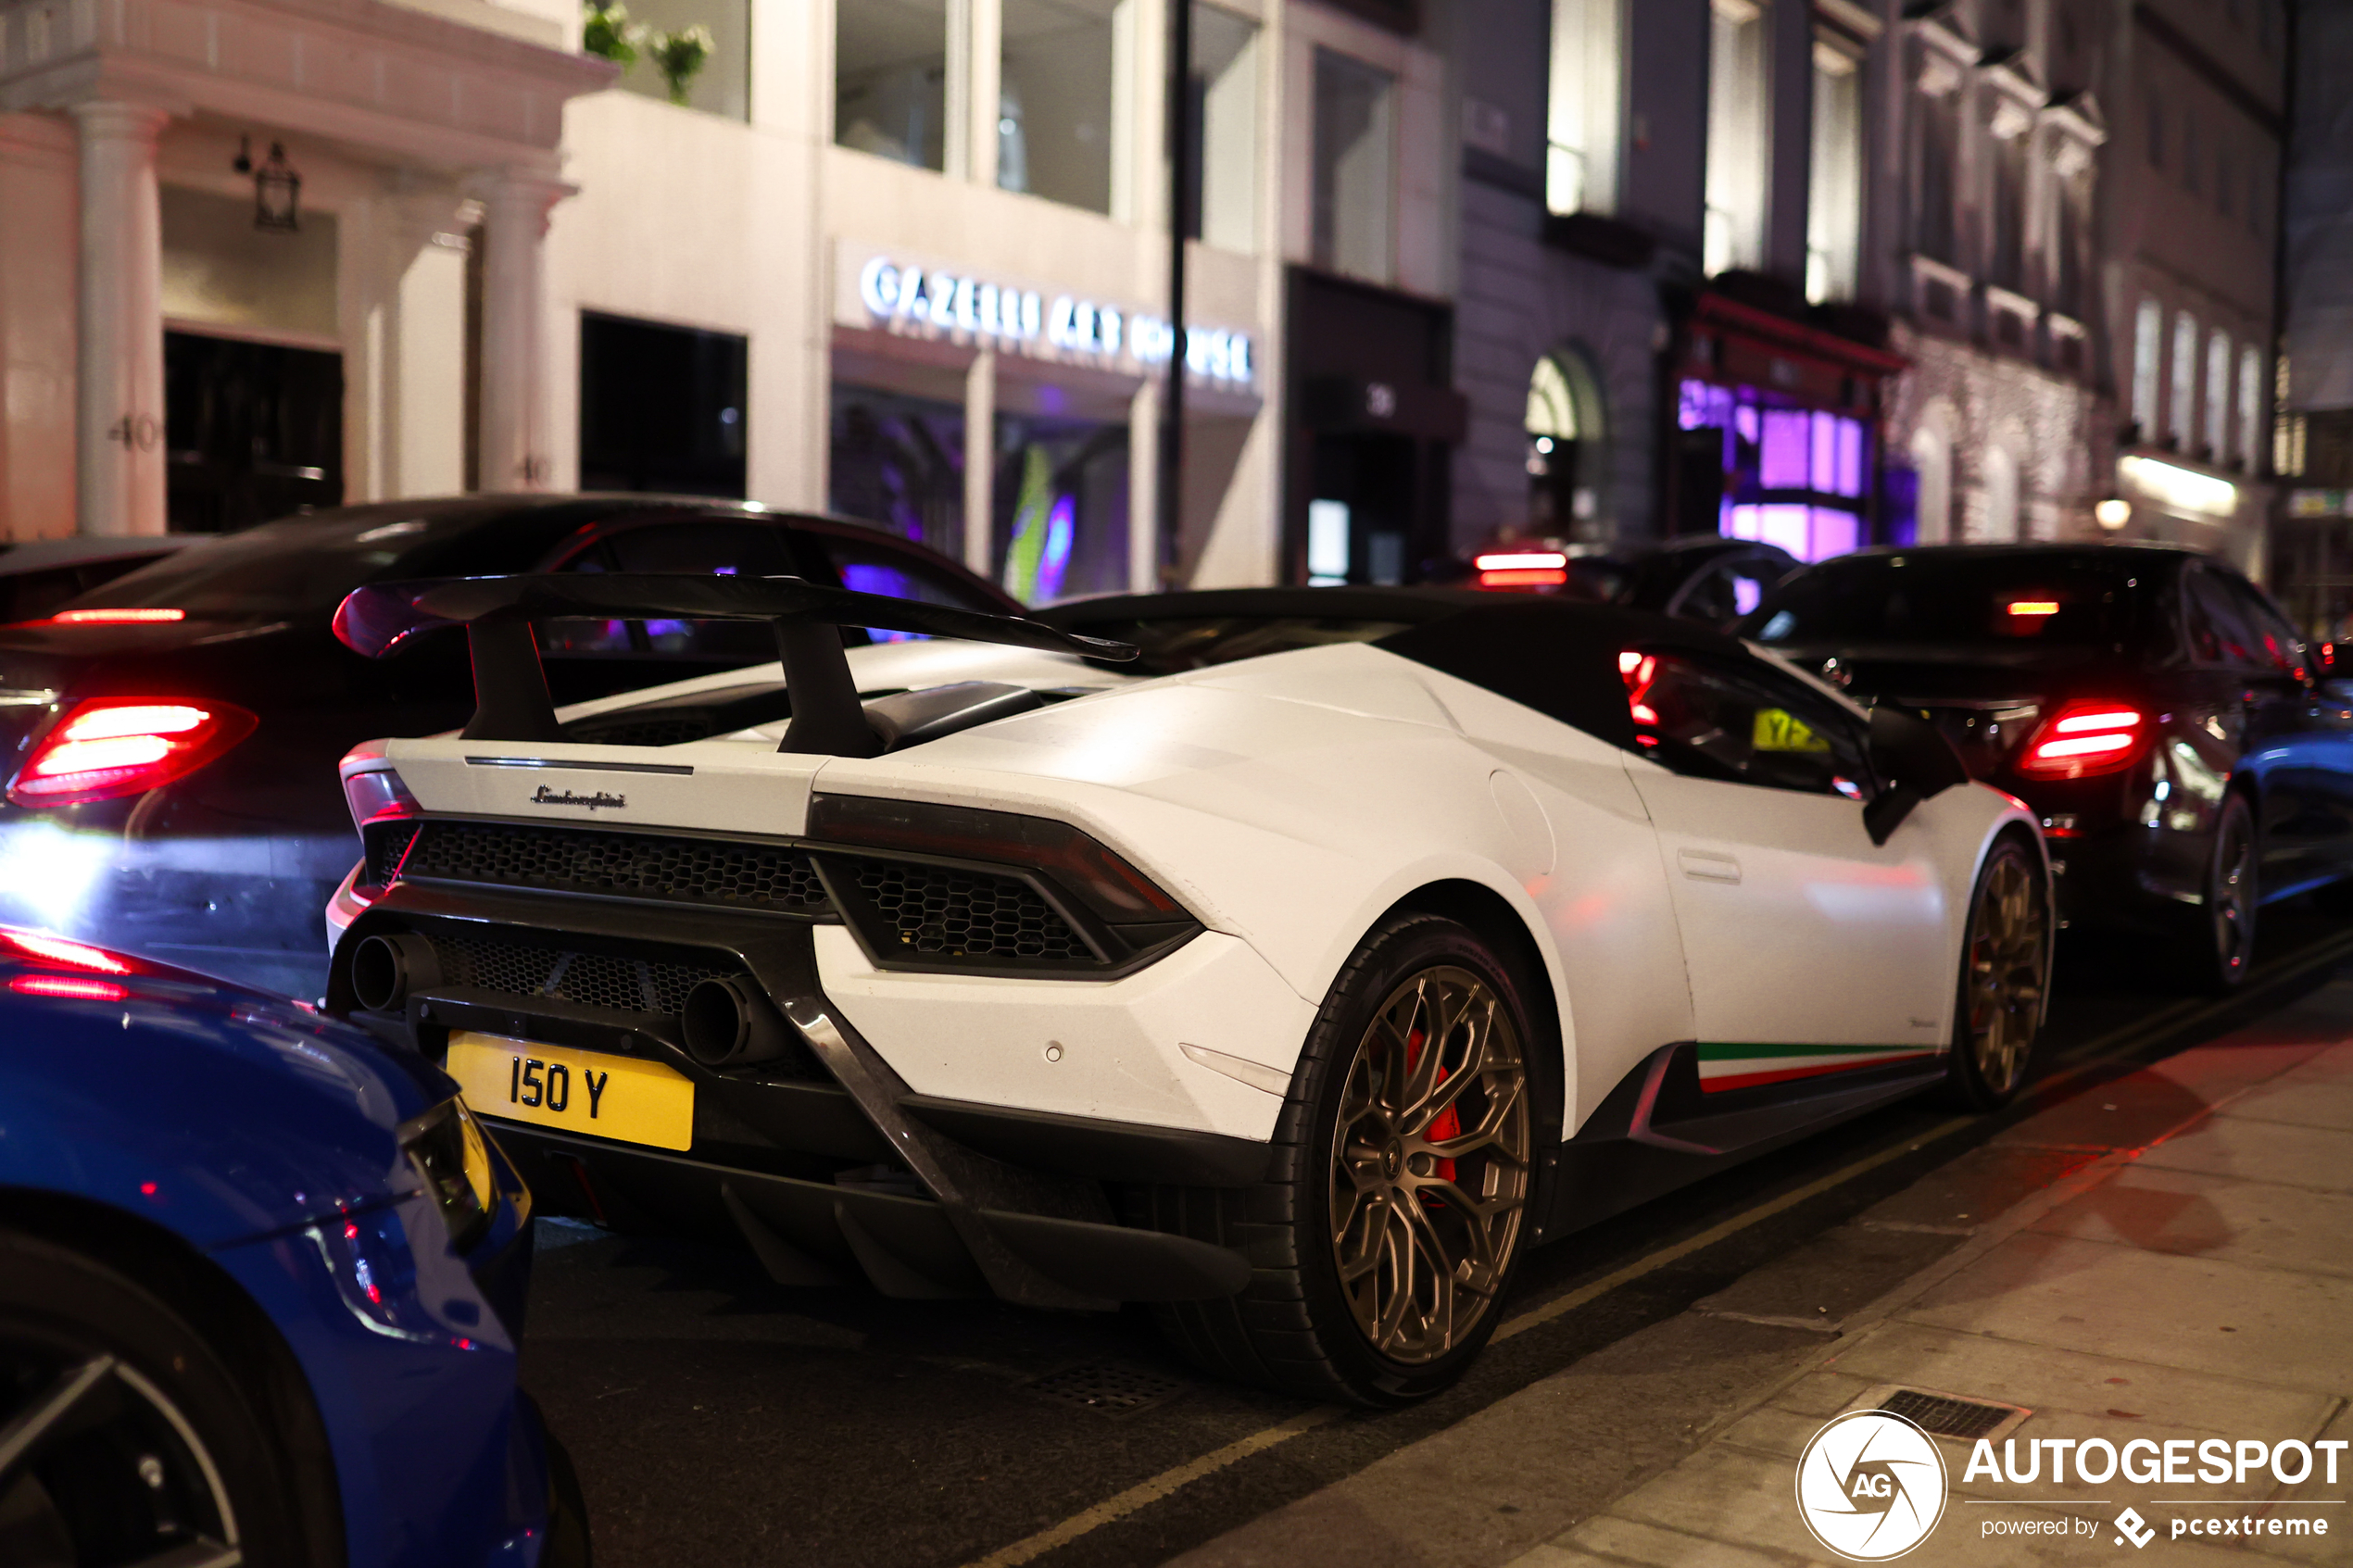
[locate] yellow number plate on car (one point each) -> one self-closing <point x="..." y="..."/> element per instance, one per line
<point x="608" y="1096"/>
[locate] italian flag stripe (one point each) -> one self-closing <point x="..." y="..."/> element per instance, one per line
<point x="1725" y="1067"/>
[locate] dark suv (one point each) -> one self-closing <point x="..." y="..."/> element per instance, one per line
<point x="2190" y="761"/>
<point x="168" y="741"/>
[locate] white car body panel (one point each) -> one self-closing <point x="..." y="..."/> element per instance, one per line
<point x="1112" y="1050"/>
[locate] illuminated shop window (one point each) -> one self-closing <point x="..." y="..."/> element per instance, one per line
<point x="1061" y="503"/>
<point x="1793" y="477"/>
<point x="890" y="80"/>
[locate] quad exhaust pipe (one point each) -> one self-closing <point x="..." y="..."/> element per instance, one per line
<point x="728" y="1023"/>
<point x="385" y="969"/>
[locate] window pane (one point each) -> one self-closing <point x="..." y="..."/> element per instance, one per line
<point x="2250" y="406"/>
<point x="2182" y="423"/>
<point x="1833" y="204"/>
<point x="1353" y="158"/>
<point x="890" y="80"/>
<point x="1054" y="107"/>
<point x="1580" y="164"/>
<point x="1738" y="137"/>
<point x="660" y="408"/>
<point x="723" y="84"/>
<point x="2217" y="395"/>
<point x="2148" y="331"/>
<point x="899" y="462"/>
<point x="1224" y="165"/>
<point x="1716" y="725"/>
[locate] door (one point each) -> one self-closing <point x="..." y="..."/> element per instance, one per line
<point x="1812" y="951"/>
<point x="2314" y="728"/>
<point x="2249" y="682"/>
<point x="254" y="431"/>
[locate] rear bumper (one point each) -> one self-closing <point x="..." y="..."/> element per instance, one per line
<point x="826" y="1162"/>
<point x="2128" y="878"/>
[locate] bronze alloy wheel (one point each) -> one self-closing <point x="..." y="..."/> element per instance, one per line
<point x="2009" y="941"/>
<point x="1429" y="1164"/>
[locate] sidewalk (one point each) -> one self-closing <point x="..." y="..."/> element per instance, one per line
<point x="2167" y="1257"/>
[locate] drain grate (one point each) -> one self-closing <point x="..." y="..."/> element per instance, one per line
<point x="1946" y="1417"/>
<point x="1112" y="1388"/>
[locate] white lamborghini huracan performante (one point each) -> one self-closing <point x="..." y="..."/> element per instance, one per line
<point x="1299" y="995"/>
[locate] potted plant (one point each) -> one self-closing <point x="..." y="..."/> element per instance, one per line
<point x="680" y="57"/>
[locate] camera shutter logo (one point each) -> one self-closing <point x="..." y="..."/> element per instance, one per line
<point x="1870" y="1485"/>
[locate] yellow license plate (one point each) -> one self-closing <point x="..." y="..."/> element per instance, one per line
<point x="607" y="1097"/>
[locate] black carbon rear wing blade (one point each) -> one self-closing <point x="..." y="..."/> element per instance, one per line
<point x="510" y="690"/>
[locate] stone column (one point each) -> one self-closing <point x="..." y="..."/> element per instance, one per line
<point x="514" y="303"/>
<point x="118" y="434"/>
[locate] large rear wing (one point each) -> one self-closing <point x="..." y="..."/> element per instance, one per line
<point x="510" y="690"/>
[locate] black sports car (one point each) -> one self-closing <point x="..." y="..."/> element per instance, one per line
<point x="2191" y="760"/>
<point x="168" y="741"/>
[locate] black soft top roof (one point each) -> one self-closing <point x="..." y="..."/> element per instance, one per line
<point x="1556" y="656"/>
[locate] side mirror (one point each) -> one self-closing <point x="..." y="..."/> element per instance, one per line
<point x="1914" y="761"/>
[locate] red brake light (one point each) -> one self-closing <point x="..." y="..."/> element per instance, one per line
<point x="2084" y="738"/>
<point x="1522" y="577"/>
<point x="69" y="985"/>
<point x="125" y="616"/>
<point x="116" y="746"/>
<point x="57" y="949"/>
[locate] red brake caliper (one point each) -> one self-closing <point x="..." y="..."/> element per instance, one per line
<point x="1447" y="1123"/>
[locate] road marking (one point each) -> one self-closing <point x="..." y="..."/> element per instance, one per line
<point x="1147" y="1492"/>
<point x="2116" y="1042"/>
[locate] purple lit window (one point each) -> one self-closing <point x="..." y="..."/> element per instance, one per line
<point x="1850" y="458"/>
<point x="1833" y="532"/>
<point x="1781" y="463"/>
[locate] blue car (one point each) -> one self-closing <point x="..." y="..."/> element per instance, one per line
<point x="262" y="1289"/>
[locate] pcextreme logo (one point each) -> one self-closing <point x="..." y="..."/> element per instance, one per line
<point x="1870" y="1485"/>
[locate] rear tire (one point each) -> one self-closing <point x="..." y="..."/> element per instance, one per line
<point x="2005" y="975"/>
<point x="144" y="1439"/>
<point x="1398" y="1208"/>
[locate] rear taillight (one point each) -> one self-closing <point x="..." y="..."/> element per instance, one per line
<point x="116" y="746"/>
<point x="71" y="987"/>
<point x="40" y="945"/>
<point x="2083" y="738"/>
<point x="131" y="616"/>
<point x="377" y="795"/>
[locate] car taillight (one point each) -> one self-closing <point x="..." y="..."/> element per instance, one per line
<point x="40" y="945"/>
<point x="118" y="746"/>
<point x="377" y="795"/>
<point x="2083" y="738"/>
<point x="1107" y="884"/>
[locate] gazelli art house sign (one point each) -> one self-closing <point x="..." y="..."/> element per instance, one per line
<point x="900" y="294"/>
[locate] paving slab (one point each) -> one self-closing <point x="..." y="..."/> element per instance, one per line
<point x="2250" y="1150"/>
<point x="2191" y="1213"/>
<point x="2199" y="1313"/>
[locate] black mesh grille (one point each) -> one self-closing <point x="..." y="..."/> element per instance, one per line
<point x="596" y="980"/>
<point x="643" y="732"/>
<point x="386" y="844"/>
<point x="939" y="912"/>
<point x="625" y="865"/>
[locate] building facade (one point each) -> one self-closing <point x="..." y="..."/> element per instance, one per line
<point x="906" y="260"/>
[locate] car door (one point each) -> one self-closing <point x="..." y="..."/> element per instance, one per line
<point x="2250" y="692"/>
<point x="2294" y="727"/>
<point x="1811" y="950"/>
